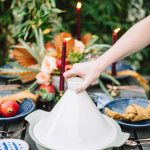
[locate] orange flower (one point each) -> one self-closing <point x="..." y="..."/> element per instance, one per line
<point x="48" y="64"/>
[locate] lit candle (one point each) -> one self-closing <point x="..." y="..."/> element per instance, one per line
<point x="63" y="59"/>
<point x="78" y="10"/>
<point x="114" y="39"/>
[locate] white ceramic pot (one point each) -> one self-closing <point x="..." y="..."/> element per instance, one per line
<point x="74" y="123"/>
<point x="35" y="116"/>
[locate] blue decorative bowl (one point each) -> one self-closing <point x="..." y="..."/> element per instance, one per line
<point x="26" y="107"/>
<point x="120" y="105"/>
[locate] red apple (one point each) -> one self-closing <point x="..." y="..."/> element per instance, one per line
<point x="9" y="108"/>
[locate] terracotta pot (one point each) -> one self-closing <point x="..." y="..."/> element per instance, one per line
<point x="44" y="105"/>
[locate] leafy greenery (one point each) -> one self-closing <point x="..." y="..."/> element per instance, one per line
<point x="97" y="17"/>
<point x="37" y="50"/>
<point x="30" y="14"/>
<point x="5" y="20"/>
<point x="46" y="96"/>
<point x="101" y="17"/>
<point x="74" y="57"/>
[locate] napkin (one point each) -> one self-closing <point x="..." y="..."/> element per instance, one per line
<point x="102" y="100"/>
<point x="19" y="96"/>
<point x="133" y="113"/>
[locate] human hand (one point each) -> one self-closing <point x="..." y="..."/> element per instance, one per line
<point x="86" y="70"/>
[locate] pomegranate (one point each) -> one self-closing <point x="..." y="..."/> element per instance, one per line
<point x="9" y="108"/>
<point x="58" y="62"/>
<point x="47" y="92"/>
<point x="48" y="88"/>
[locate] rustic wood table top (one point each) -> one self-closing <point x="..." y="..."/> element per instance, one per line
<point x="24" y="135"/>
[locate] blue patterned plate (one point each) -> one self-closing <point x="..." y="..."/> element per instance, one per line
<point x="7" y="66"/>
<point x="121" y="104"/>
<point x="26" y="107"/>
<point x="13" y="144"/>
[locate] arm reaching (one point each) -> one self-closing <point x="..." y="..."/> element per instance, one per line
<point x="133" y="40"/>
<point x="136" y="38"/>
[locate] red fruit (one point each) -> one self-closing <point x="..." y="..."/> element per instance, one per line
<point x="9" y="108"/>
<point x="58" y="62"/>
<point x="49" y="88"/>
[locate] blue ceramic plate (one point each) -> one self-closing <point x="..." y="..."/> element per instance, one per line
<point x="120" y="66"/>
<point x="100" y="99"/>
<point x="7" y="76"/>
<point x="121" y="104"/>
<point x="13" y="144"/>
<point x="25" y="108"/>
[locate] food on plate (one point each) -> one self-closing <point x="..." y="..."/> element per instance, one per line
<point x="9" y="108"/>
<point x="133" y="113"/>
<point x="19" y="96"/>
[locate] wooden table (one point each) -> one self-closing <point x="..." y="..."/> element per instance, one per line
<point x="134" y="133"/>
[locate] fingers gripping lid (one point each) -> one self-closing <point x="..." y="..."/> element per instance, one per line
<point x="74" y="82"/>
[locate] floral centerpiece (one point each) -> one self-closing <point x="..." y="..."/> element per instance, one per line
<point x="41" y="61"/>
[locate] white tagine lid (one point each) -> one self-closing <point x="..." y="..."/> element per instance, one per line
<point x="75" y="123"/>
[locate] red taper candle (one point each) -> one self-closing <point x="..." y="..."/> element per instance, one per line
<point x="63" y="60"/>
<point x="78" y="22"/>
<point x="114" y="40"/>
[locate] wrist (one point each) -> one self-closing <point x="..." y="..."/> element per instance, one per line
<point x="100" y="65"/>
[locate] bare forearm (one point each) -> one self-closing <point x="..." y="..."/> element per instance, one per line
<point x="133" y="40"/>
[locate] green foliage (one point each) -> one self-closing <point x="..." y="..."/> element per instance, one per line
<point x="30" y="14"/>
<point x="5" y="20"/>
<point x="74" y="57"/>
<point x="109" y="77"/>
<point x="19" y="18"/>
<point x="101" y="17"/>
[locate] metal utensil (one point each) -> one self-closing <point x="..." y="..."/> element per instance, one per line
<point x="135" y="143"/>
<point x="17" y="133"/>
<point x="12" y="134"/>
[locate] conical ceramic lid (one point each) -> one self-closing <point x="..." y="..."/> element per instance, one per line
<point x="75" y="123"/>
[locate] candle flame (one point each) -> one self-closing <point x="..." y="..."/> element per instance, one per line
<point x="67" y="39"/>
<point x="117" y="30"/>
<point x="79" y="5"/>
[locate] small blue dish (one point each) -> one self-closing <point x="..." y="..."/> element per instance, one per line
<point x="26" y="107"/>
<point x="13" y="144"/>
<point x="7" y="66"/>
<point x="120" y="105"/>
